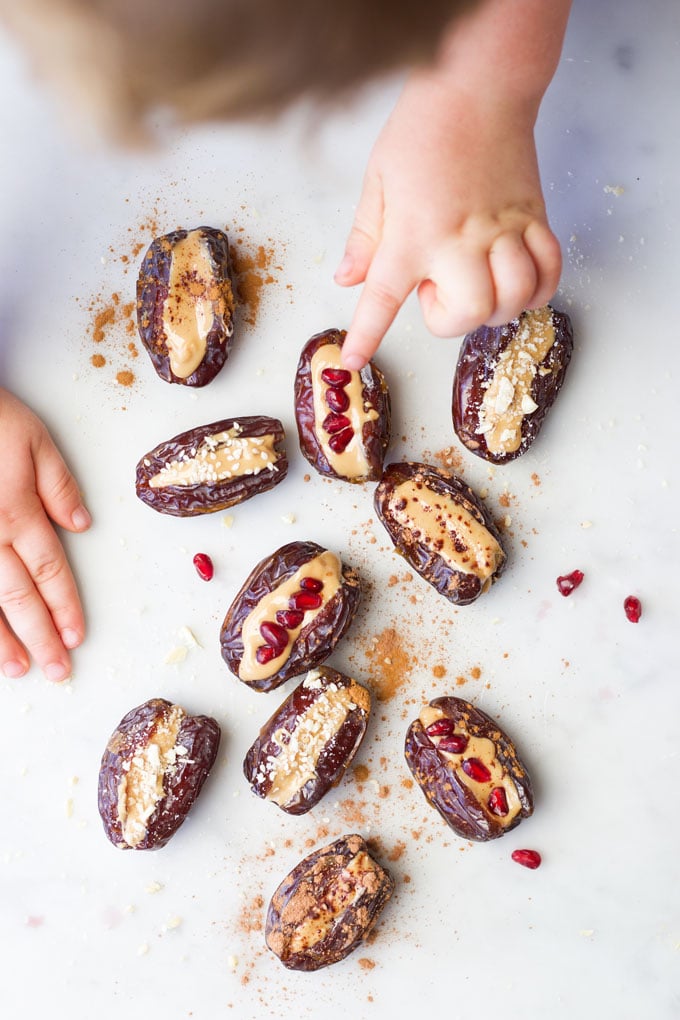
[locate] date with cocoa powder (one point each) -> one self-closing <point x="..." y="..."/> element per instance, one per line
<point x="327" y="905"/>
<point x="343" y="417"/>
<point x="306" y="746"/>
<point x="468" y="769"/>
<point x="442" y="529"/>
<point x="506" y="381"/>
<point x="152" y="771"/>
<point x="185" y="305"/>
<point x="290" y="613"/>
<point x="213" y="467"/>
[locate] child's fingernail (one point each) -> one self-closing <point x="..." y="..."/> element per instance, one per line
<point x="56" y="671"/>
<point x="70" y="637"/>
<point x="81" y="518"/>
<point x="345" y="267"/>
<point x="13" y="669"/>
<point x="354" y="362"/>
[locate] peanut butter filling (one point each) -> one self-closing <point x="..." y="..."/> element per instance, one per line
<point x="446" y="527"/>
<point x="507" y="397"/>
<point x="141" y="787"/>
<point x="352" y="462"/>
<point x="326" y="568"/>
<point x="219" y="457"/>
<point x="357" y="878"/>
<point x="195" y="299"/>
<point x="485" y="750"/>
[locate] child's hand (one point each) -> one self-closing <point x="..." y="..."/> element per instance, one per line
<point x="41" y="612"/>
<point x="452" y="202"/>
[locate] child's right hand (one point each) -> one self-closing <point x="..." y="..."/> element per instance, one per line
<point x="41" y="616"/>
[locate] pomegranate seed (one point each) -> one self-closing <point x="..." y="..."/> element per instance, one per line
<point x="477" y="770"/>
<point x="265" y="654"/>
<point x="498" y="802"/>
<point x="204" y="566"/>
<point x="289" y="618"/>
<point x="527" y="858"/>
<point x="311" y="584"/>
<point x="336" y="376"/>
<point x="305" y="600"/>
<point x="275" y="635"/>
<point x="443" y="727"/>
<point x="567" y="583"/>
<point x="633" y="608"/>
<point x="454" y="744"/>
<point x="335" y="423"/>
<point x="339" y="442"/>
<point x="337" y="400"/>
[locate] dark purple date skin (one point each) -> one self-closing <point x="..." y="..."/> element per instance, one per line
<point x="478" y="355"/>
<point x="316" y="641"/>
<point x="152" y="291"/>
<point x="375" y="436"/>
<point x="298" y="929"/>
<point x="456" y="586"/>
<point x="441" y="784"/>
<point x="209" y="497"/>
<point x="334" y="756"/>
<point x="198" y="737"/>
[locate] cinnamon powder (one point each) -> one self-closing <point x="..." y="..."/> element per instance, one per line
<point x="390" y="664"/>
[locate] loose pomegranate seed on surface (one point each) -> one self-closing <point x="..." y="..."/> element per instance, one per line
<point x="498" y="801"/>
<point x="443" y="727"/>
<point x="289" y="618"/>
<point x="455" y="743"/>
<point x="337" y="400"/>
<point x="340" y="441"/>
<point x="265" y="654"/>
<point x="335" y="423"/>
<point x="633" y="608"/>
<point x="204" y="566"/>
<point x="275" y="635"/>
<point x="305" y="600"/>
<point x="568" y="582"/>
<point x="527" y="858"/>
<point x="336" y="376"/>
<point x="311" y="584"/>
<point x="477" y="770"/>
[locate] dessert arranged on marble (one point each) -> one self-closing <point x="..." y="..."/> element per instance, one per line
<point x="327" y="905"/>
<point x="153" y="769"/>
<point x="506" y="381"/>
<point x="290" y="613"/>
<point x="442" y="529"/>
<point x="213" y="467"/>
<point x="306" y="746"/>
<point x="468" y="769"/>
<point x="185" y="305"/>
<point x="343" y="417"/>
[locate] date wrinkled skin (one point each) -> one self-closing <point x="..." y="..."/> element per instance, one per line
<point x="316" y="640"/>
<point x="445" y="497"/>
<point x="209" y="496"/>
<point x="327" y="905"/>
<point x="217" y="290"/>
<point x="468" y="807"/>
<point x="306" y="746"/>
<point x="153" y="769"/>
<point x="478" y="359"/>
<point x="372" y="405"/>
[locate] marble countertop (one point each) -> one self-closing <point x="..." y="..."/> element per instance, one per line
<point x="590" y="699"/>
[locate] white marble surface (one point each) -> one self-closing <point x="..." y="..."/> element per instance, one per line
<point x="590" y="699"/>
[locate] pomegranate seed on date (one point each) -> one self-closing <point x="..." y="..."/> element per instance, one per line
<point x="568" y="582"/>
<point x="443" y="727"/>
<point x="289" y="618"/>
<point x="311" y="584"/>
<point x="455" y="743"/>
<point x="340" y="441"/>
<point x="527" y="858"/>
<point x="204" y="566"/>
<point x="498" y="802"/>
<point x="275" y="635"/>
<point x="305" y="600"/>
<point x="335" y="423"/>
<point x="337" y="400"/>
<point x="265" y="654"/>
<point x="336" y="376"/>
<point x="477" y="770"/>
<point x="632" y="608"/>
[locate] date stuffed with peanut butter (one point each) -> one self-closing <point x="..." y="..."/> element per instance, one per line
<point x="307" y="745"/>
<point x="343" y="417"/>
<point x="213" y="467"/>
<point x="506" y="381"/>
<point x="289" y="615"/>
<point x="152" y="771"/>
<point x="468" y="769"/>
<point x="185" y="305"/>
<point x="327" y="905"/>
<point x="441" y="528"/>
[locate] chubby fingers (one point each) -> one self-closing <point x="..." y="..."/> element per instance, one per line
<point x="364" y="237"/>
<point x="388" y="283"/>
<point x="57" y="488"/>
